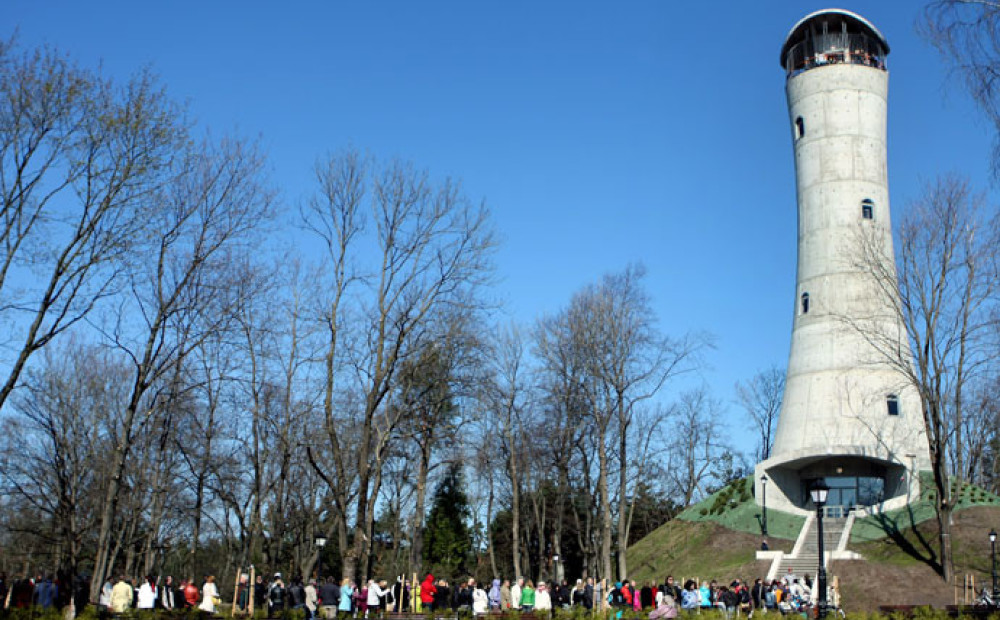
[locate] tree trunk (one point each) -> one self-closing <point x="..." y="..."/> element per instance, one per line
<point x="605" y="505"/>
<point x="419" y="507"/>
<point x="515" y="506"/>
<point x="489" y="530"/>
<point x="623" y="467"/>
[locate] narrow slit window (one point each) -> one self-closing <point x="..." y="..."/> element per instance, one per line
<point x="800" y="127"/>
<point x="892" y="404"/>
<point x="805" y="303"/>
<point x="867" y="209"/>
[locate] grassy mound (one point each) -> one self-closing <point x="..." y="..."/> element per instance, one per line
<point x="734" y="508"/>
<point x="696" y="550"/>
<point x="717" y="539"/>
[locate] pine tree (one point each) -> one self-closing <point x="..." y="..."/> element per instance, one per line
<point x="447" y="536"/>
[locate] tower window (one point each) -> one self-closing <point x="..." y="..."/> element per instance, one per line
<point x="867" y="209"/>
<point x="805" y="303"/>
<point x="892" y="404"/>
<point x="800" y="127"/>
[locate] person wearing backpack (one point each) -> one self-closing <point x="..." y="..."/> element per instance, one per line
<point x="615" y="597"/>
<point x="744" y="597"/>
<point x="771" y="597"/>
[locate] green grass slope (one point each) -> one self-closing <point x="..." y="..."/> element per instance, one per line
<point x="716" y="538"/>
<point x="733" y="507"/>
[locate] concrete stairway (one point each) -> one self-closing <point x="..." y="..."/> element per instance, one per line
<point x="807" y="558"/>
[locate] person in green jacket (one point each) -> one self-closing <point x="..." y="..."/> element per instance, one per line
<point x="528" y="596"/>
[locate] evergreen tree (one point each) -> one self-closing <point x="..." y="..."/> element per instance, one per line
<point x="447" y="536"/>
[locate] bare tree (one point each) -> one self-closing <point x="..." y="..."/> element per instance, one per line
<point x="78" y="156"/>
<point x="628" y="361"/>
<point x="982" y="433"/>
<point x="432" y="249"/>
<point x="561" y="375"/>
<point x="967" y="33"/>
<point x="944" y="296"/>
<point x="697" y="445"/>
<point x="211" y="205"/>
<point x="58" y="432"/>
<point x="506" y="395"/>
<point x="761" y="398"/>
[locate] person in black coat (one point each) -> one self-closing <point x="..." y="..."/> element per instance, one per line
<point x="259" y="593"/>
<point x="297" y="594"/>
<point x="757" y="593"/>
<point x="329" y="597"/>
<point x="276" y="596"/>
<point x="442" y="598"/>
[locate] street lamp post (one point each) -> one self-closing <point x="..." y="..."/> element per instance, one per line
<point x="993" y="552"/>
<point x="819" y="493"/>
<point x="763" y="492"/>
<point x="320" y="543"/>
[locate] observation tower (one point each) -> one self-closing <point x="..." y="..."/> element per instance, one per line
<point x="847" y="416"/>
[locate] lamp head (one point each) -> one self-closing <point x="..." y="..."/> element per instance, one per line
<point x="763" y="478"/>
<point x="993" y="535"/>
<point x="819" y="492"/>
<point x="320" y="541"/>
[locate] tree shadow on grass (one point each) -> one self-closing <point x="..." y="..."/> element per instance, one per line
<point x="895" y="524"/>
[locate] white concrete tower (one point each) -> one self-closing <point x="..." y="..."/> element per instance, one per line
<point x="847" y="417"/>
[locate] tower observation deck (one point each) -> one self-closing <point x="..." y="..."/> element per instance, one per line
<point x="830" y="37"/>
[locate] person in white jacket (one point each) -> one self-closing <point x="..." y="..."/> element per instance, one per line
<point x="374" y="598"/>
<point x="312" y="598"/>
<point x="480" y="602"/>
<point x="515" y="594"/>
<point x="543" y="600"/>
<point x="209" y="592"/>
<point x="147" y="594"/>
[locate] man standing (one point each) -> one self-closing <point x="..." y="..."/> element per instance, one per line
<point x="121" y="596"/>
<point x="46" y="592"/>
<point x="757" y="593"/>
<point x="329" y="597"/>
<point x="276" y="596"/>
<point x="167" y="594"/>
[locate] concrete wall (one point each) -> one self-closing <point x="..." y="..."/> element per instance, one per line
<point x="837" y="382"/>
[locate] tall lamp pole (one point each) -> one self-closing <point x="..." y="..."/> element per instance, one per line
<point x="993" y="552"/>
<point x="763" y="492"/>
<point x="320" y="543"/>
<point x="819" y="492"/>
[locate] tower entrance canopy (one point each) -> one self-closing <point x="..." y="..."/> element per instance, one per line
<point x="856" y="480"/>
<point x="833" y="36"/>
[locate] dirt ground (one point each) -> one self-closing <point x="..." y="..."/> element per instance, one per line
<point x="894" y="577"/>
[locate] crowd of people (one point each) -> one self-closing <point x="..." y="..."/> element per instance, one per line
<point x="331" y="598"/>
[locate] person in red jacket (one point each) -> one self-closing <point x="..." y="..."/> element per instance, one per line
<point x="190" y="594"/>
<point x="427" y="591"/>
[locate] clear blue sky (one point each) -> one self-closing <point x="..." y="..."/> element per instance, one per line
<point x="599" y="133"/>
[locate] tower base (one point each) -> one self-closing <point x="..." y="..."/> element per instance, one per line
<point x="858" y="480"/>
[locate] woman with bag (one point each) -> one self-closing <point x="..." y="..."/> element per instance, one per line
<point x="209" y="595"/>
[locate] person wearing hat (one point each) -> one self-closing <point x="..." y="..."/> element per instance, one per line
<point x="276" y="596"/>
